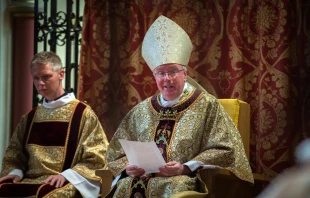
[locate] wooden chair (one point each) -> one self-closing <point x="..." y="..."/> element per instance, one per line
<point x="220" y="183"/>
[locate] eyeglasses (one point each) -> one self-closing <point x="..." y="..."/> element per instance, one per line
<point x="171" y="74"/>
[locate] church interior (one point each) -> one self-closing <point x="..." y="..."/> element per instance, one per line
<point x="253" y="55"/>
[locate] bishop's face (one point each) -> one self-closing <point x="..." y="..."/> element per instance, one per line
<point x="170" y="79"/>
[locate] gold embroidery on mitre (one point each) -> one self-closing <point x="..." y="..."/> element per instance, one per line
<point x="166" y="42"/>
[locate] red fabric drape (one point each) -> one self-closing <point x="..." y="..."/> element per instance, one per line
<point x="256" y="51"/>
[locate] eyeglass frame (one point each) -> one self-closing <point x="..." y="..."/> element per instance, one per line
<point x="175" y="73"/>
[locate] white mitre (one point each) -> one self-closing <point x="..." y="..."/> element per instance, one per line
<point x="166" y="42"/>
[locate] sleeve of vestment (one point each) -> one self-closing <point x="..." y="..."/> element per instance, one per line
<point x="15" y="157"/>
<point x="87" y="187"/>
<point x="92" y="145"/>
<point x="222" y="144"/>
<point x="116" y="158"/>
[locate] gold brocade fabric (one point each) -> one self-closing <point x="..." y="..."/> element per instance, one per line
<point x="38" y="162"/>
<point x="203" y="131"/>
<point x="66" y="191"/>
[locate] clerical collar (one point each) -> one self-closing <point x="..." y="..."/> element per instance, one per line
<point x="62" y="100"/>
<point x="170" y="103"/>
<point x="47" y="101"/>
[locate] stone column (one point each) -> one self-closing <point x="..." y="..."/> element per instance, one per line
<point x="23" y="51"/>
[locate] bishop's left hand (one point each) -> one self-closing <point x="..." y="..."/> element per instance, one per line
<point x="173" y="169"/>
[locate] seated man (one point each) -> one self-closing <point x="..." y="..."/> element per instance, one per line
<point x="189" y="126"/>
<point x="57" y="146"/>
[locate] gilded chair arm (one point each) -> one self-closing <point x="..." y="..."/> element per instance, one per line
<point x="106" y="181"/>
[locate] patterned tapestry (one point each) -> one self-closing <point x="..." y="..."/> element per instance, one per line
<point x="255" y="50"/>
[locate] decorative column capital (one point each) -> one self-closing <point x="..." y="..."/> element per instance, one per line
<point x="24" y="8"/>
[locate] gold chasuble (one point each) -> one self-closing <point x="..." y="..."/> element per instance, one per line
<point x="197" y="129"/>
<point x="49" y="141"/>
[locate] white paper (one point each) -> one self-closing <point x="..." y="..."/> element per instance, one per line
<point x="145" y="155"/>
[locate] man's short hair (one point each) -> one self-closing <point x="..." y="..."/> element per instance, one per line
<point x="45" y="58"/>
